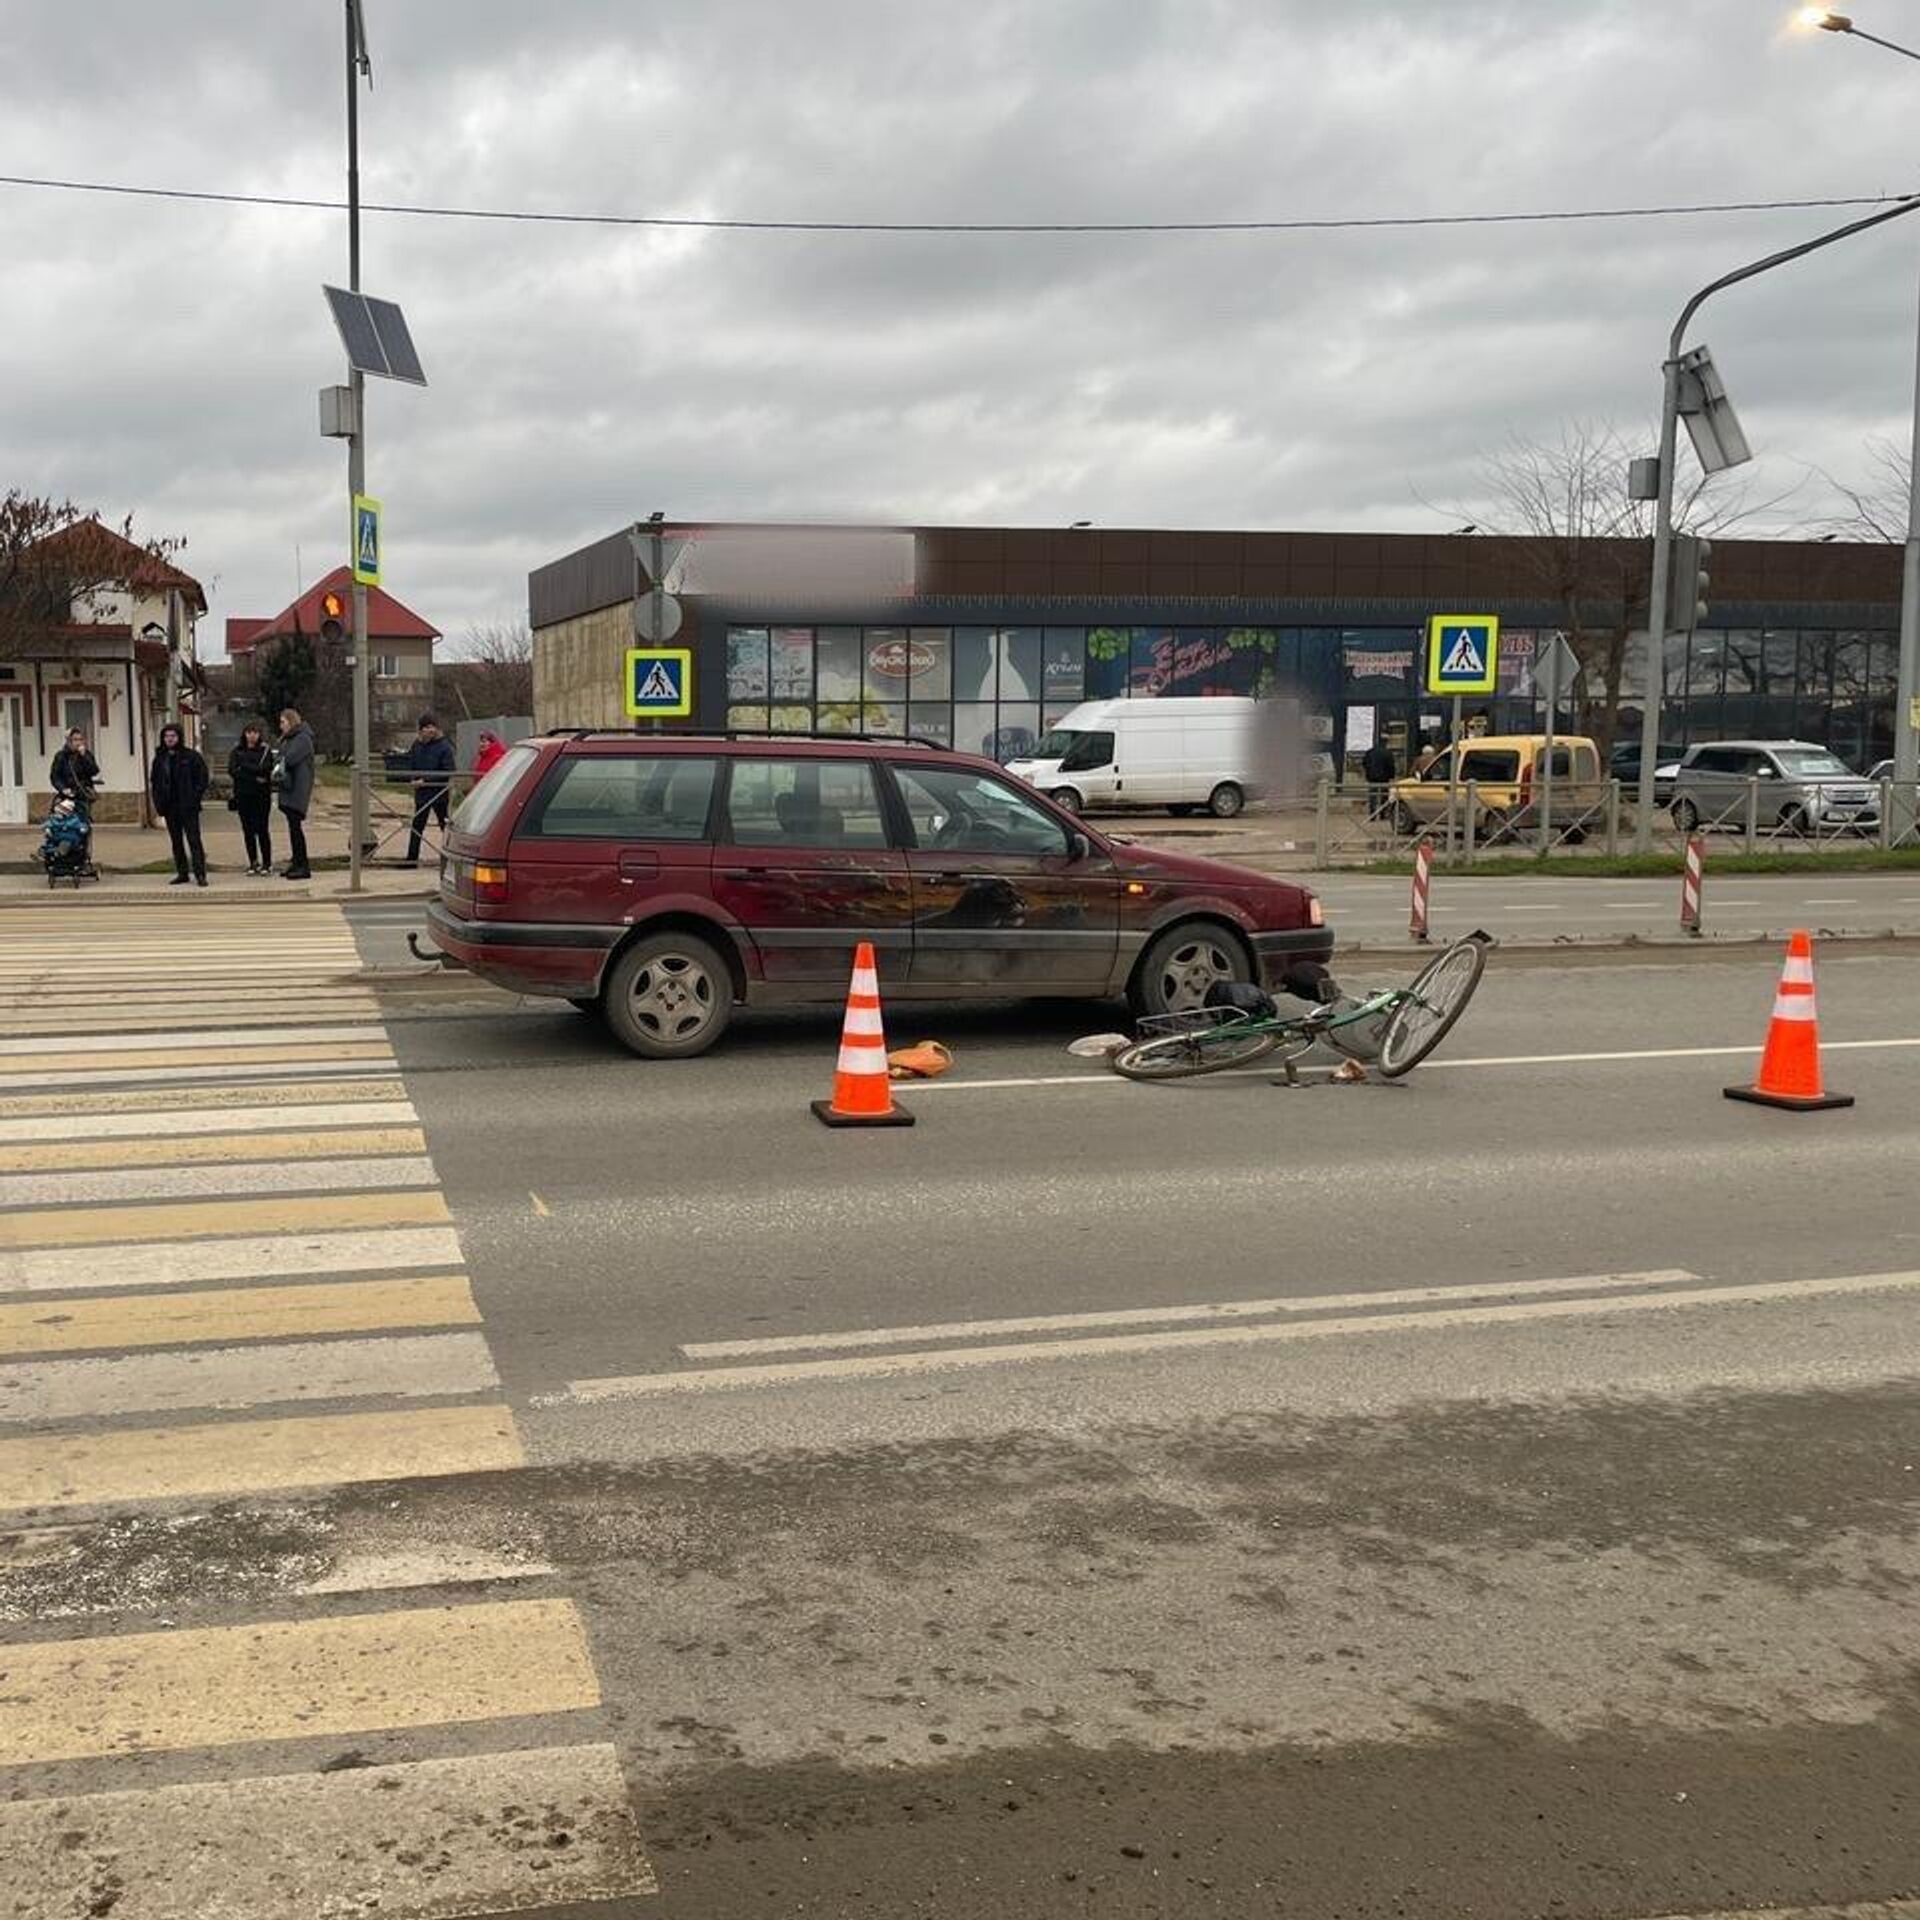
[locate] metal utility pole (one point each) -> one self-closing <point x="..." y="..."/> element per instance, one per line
<point x="1658" y="589"/>
<point x="358" y="63"/>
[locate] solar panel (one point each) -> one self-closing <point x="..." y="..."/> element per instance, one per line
<point x="374" y="333"/>
<point x="403" y="363"/>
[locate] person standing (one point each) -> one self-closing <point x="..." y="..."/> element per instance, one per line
<point x="1378" y="764"/>
<point x="250" y="774"/>
<point x="491" y="749"/>
<point x="178" y="783"/>
<point x="430" y="753"/>
<point x="296" y="770"/>
<point x="75" y="772"/>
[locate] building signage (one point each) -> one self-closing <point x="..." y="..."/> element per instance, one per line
<point x="659" y="683"/>
<point x="1463" y="653"/>
<point x="901" y="659"/>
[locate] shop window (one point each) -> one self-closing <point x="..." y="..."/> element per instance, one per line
<point x="929" y="664"/>
<point x="976" y="659"/>
<point x="790" y="673"/>
<point x="1108" y="649"/>
<point x="746" y="664"/>
<point x="837" y="665"/>
<point x="973" y="727"/>
<point x="1020" y="663"/>
<point x="1706" y="664"/>
<point x="745" y="719"/>
<point x="1063" y="671"/>
<point x="931" y="723"/>
<point x="1016" y="732"/>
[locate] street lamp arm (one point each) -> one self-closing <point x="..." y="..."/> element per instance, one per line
<point x="1780" y="259"/>
<point x="1892" y="46"/>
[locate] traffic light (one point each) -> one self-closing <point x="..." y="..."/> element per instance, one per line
<point x="333" y="618"/>
<point x="1692" y="578"/>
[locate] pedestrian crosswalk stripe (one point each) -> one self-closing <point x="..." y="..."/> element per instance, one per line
<point x="489" y="1833"/>
<point x="293" y="1679"/>
<point x="225" y="1458"/>
<point x="246" y="1039"/>
<point x="119" y="1321"/>
<point x="71" y="1155"/>
<point x="229" y="1176"/>
<point x="253" y="1054"/>
<point x="207" y="1220"/>
<point x="280" y="1256"/>
<point x="309" y="1066"/>
<point x="253" y="1013"/>
<point x="240" y="1123"/>
<point x="172" y="1100"/>
<point x="422" y="1366"/>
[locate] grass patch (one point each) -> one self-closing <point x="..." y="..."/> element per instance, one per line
<point x="1648" y="866"/>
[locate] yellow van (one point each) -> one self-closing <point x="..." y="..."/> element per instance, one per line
<point x="1505" y="771"/>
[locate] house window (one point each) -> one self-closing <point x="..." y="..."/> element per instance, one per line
<point x="387" y="665"/>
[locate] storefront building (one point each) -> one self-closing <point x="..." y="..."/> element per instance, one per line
<point x="983" y="638"/>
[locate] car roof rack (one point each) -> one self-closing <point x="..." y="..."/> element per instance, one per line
<point x="827" y="734"/>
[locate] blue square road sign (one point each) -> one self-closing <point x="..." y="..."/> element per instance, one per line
<point x="1463" y="653"/>
<point x="659" y="683"/>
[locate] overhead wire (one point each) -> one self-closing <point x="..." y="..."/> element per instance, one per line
<point x="702" y="223"/>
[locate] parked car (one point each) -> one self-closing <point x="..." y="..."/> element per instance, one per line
<point x="1801" y="788"/>
<point x="1880" y="770"/>
<point x="1504" y="771"/>
<point x="1181" y="754"/>
<point x="1623" y="764"/>
<point x="664" y="880"/>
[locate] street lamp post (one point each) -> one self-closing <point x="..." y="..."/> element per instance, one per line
<point x="1906" y="737"/>
<point x="1658" y="590"/>
<point x="358" y="64"/>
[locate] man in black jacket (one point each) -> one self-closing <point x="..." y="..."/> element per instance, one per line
<point x="178" y="784"/>
<point x="430" y="752"/>
<point x="1378" y="765"/>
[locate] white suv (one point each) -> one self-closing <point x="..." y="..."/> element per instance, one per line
<point x="1802" y="788"/>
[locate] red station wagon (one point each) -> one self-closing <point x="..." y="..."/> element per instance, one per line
<point x="665" y="879"/>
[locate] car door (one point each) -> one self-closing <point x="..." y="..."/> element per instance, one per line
<point x="1006" y="896"/>
<point x="805" y="863"/>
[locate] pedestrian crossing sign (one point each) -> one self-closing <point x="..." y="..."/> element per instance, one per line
<point x="366" y="540"/>
<point x="659" y="683"/>
<point x="1463" y="653"/>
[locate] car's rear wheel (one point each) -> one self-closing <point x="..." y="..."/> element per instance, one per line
<point x="1405" y="820"/>
<point x="669" y="996"/>
<point x="1226" y="800"/>
<point x="1686" y="816"/>
<point x="1182" y="964"/>
<point x="1068" y="797"/>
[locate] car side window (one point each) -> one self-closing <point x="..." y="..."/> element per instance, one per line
<point x="1441" y="769"/>
<point x="804" y="803"/>
<point x="1090" y="751"/>
<point x="1491" y="766"/>
<point x="628" y="796"/>
<point x="959" y="811"/>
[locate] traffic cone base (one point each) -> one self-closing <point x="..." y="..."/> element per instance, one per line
<point x="1789" y="1074"/>
<point x="862" y="1085"/>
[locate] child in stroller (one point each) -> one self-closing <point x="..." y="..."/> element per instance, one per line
<point x="66" y="843"/>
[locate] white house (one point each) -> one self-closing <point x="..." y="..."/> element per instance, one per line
<point x="123" y="664"/>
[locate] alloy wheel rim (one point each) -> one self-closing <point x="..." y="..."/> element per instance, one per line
<point x="672" y="997"/>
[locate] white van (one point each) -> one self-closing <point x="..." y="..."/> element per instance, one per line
<point x="1180" y="754"/>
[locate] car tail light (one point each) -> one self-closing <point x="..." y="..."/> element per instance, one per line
<point x="489" y="882"/>
<point x="1316" y="913"/>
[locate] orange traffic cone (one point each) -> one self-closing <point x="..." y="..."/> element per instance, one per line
<point x="1790" y="1067"/>
<point x="862" y="1087"/>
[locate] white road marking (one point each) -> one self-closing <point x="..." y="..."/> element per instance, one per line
<point x="245" y="1178"/>
<point x="253" y="1257"/>
<point x="411" y="1366"/>
<point x="1097" y="1079"/>
<point x="25" y="1080"/>
<point x="162" y="1123"/>
<point x="1159" y="1316"/>
<point x="240" y="1037"/>
<point x="941" y="1360"/>
<point x="1830" y="900"/>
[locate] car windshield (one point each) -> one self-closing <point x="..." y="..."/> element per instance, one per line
<point x="1814" y="763"/>
<point x="1058" y="744"/>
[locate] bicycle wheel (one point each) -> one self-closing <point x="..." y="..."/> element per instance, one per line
<point x="1182" y="1056"/>
<point x="1437" y="998"/>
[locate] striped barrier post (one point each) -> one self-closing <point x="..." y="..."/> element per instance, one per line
<point x="1690" y="886"/>
<point x="1422" y="880"/>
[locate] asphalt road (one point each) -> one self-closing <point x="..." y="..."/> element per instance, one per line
<point x="1493" y="1493"/>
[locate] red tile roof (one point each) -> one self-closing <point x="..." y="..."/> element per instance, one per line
<point x="144" y="569"/>
<point x="387" y="618"/>
<point x="241" y="635"/>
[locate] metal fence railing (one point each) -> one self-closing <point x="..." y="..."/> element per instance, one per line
<point x="1354" y="825"/>
<point x="406" y="813"/>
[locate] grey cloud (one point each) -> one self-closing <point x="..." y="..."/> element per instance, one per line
<point x="163" y="358"/>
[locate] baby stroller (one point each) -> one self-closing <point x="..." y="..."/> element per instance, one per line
<point x="66" y="844"/>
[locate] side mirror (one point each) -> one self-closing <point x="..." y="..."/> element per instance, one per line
<point x="1079" y="847"/>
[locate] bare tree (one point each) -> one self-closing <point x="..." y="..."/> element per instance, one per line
<point x="493" y="670"/>
<point x="1876" y="509"/>
<point x="1586" y="548"/>
<point x="52" y="555"/>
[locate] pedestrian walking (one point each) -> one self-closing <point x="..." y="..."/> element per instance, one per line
<point x="429" y="753"/>
<point x="250" y="776"/>
<point x="178" y="783"/>
<point x="293" y="775"/>
<point x="490" y="749"/>
<point x="1379" y="766"/>
<point x="75" y="772"/>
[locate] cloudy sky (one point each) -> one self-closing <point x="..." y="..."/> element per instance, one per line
<point x="162" y="358"/>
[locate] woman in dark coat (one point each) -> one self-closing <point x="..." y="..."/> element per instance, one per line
<point x="296" y="789"/>
<point x="178" y="783"/>
<point x="250" y="769"/>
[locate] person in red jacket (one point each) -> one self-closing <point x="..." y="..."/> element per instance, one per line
<point x="490" y="749"/>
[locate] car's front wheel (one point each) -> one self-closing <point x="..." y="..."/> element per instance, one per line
<point x="1226" y="800"/>
<point x="669" y="996"/>
<point x="1176" y="971"/>
<point x="1686" y="816"/>
<point x="1068" y="797"/>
